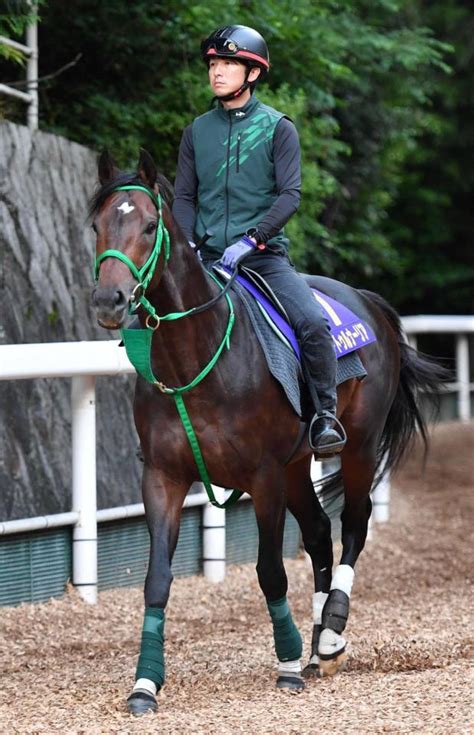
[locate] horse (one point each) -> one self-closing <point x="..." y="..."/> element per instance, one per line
<point x="200" y="345"/>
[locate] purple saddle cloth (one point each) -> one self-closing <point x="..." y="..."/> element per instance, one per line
<point x="348" y="331"/>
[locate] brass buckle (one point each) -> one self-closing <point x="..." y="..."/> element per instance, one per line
<point x="152" y="326"/>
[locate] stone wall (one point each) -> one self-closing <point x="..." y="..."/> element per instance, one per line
<point x="46" y="255"/>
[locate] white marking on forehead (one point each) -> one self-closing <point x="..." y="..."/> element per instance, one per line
<point x="126" y="208"/>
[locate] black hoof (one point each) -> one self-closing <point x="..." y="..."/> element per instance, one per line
<point x="141" y="702"/>
<point x="311" y="671"/>
<point x="293" y="683"/>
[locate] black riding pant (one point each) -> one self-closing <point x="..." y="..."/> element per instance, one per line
<point x="308" y="321"/>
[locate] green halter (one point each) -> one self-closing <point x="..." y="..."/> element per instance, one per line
<point x="144" y="274"/>
<point x="138" y="341"/>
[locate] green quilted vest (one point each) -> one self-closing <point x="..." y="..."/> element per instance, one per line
<point x="234" y="167"/>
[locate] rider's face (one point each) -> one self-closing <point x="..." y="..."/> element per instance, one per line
<point x="226" y="75"/>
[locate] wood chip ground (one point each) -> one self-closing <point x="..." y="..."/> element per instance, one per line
<point x="67" y="667"/>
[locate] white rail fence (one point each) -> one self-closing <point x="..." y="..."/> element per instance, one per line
<point x="83" y="362"/>
<point x="30" y="50"/>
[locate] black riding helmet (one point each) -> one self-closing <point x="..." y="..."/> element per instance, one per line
<point x="238" y="42"/>
<point x="242" y="43"/>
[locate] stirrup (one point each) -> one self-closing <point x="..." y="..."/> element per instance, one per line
<point x="329" y="449"/>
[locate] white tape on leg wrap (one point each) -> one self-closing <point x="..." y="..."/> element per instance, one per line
<point x="319" y="599"/>
<point x="147" y="684"/>
<point x="289" y="667"/>
<point x="330" y="642"/>
<point x="343" y="578"/>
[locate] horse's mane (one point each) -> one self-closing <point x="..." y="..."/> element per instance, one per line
<point x="125" y="178"/>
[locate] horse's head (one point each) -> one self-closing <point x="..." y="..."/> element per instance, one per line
<point x="132" y="242"/>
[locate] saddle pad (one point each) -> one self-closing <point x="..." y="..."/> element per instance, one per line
<point x="281" y="360"/>
<point x="348" y="331"/>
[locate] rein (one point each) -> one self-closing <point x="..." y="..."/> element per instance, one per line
<point x="138" y="341"/>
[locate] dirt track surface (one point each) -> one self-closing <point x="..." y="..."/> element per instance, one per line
<point x="67" y="667"/>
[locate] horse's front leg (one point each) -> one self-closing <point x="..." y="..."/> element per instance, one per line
<point x="163" y="499"/>
<point x="270" y="507"/>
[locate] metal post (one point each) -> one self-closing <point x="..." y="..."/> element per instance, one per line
<point x="84" y="537"/>
<point x="381" y="500"/>
<point x="462" y="375"/>
<point x="32" y="72"/>
<point x="213" y="539"/>
<point x="316" y="470"/>
<point x="412" y="341"/>
<point x="370" y="528"/>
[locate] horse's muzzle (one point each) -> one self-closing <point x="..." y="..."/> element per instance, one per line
<point x="111" y="305"/>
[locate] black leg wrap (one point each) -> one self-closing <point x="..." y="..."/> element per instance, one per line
<point x="336" y="611"/>
<point x="312" y="670"/>
<point x="315" y="639"/>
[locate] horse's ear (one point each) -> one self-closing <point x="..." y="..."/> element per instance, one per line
<point x="147" y="170"/>
<point x="107" y="168"/>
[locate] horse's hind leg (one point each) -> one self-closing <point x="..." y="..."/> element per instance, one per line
<point x="358" y="468"/>
<point x="270" y="509"/>
<point x="316" y="533"/>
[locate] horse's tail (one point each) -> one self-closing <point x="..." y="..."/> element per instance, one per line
<point x="419" y="373"/>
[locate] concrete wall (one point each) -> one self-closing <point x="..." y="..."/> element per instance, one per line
<point x="46" y="256"/>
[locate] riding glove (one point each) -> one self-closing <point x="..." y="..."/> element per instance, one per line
<point x="237" y="252"/>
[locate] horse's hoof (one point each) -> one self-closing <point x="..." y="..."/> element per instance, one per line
<point x="140" y="702"/>
<point x="311" y="671"/>
<point x="291" y="682"/>
<point x="331" y="652"/>
<point x="331" y="666"/>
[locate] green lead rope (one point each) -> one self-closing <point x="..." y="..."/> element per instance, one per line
<point x="138" y="347"/>
<point x="199" y="459"/>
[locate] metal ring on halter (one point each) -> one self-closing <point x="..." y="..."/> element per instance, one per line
<point x="136" y="293"/>
<point x="157" y="323"/>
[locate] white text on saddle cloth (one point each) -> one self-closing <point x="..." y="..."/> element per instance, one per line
<point x="348" y="331"/>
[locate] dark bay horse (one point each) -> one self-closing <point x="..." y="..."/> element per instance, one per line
<point x="243" y="423"/>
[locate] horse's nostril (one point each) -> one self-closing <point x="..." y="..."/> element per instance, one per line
<point x="119" y="298"/>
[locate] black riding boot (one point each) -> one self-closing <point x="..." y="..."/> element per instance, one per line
<point x="326" y="435"/>
<point x="323" y="438"/>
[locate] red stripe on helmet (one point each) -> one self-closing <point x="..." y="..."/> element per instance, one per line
<point x="240" y="54"/>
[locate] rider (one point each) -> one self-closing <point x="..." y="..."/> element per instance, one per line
<point x="238" y="177"/>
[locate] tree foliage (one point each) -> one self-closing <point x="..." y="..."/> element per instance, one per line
<point x="367" y="84"/>
<point x="15" y="16"/>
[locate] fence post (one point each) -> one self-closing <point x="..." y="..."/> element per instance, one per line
<point x="381" y="500"/>
<point x="462" y="377"/>
<point x="213" y="539"/>
<point x="32" y="72"/>
<point x="84" y="500"/>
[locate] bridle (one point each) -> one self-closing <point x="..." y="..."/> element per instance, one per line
<point x="138" y="341"/>
<point x="144" y="275"/>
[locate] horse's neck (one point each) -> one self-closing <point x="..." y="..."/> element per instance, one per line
<point x="182" y="347"/>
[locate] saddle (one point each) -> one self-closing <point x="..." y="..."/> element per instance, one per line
<point x="348" y="331"/>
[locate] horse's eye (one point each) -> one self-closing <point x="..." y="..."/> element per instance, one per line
<point x="150" y="228"/>
<point x="94" y="227"/>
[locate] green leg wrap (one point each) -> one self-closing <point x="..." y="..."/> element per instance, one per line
<point x="151" y="663"/>
<point x="288" y="643"/>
